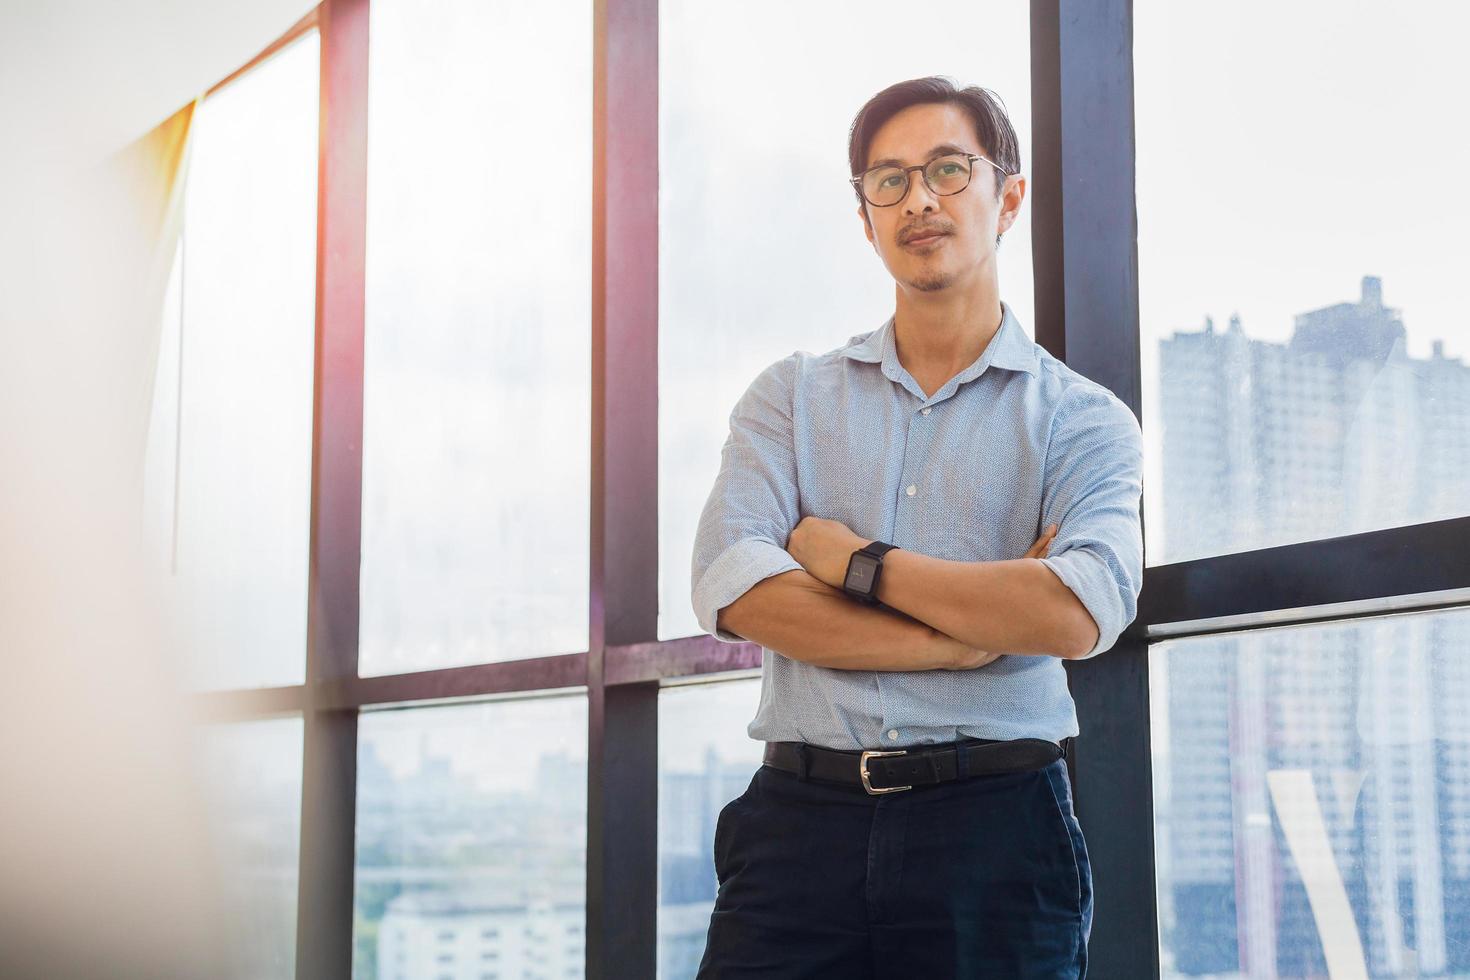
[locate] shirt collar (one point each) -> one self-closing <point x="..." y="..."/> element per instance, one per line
<point x="1010" y="348"/>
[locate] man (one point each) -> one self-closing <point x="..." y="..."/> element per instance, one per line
<point x="880" y="526"/>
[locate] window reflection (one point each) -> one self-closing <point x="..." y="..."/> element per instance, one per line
<point x="471" y="840"/>
<point x="1313" y="800"/>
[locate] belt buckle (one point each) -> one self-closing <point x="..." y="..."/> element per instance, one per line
<point x="863" y="772"/>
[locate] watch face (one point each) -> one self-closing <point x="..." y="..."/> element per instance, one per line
<point x="860" y="573"/>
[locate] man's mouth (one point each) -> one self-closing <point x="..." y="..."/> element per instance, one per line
<point x="926" y="240"/>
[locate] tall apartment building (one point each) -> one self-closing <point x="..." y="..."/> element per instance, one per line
<point x="465" y="933"/>
<point x="1356" y="733"/>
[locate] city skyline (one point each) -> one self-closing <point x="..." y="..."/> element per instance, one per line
<point x="1335" y="744"/>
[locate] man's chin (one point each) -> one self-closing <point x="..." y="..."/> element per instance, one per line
<point x="932" y="282"/>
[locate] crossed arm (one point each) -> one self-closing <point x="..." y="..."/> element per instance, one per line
<point x="933" y="620"/>
<point x="808" y="620"/>
<point x="763" y="572"/>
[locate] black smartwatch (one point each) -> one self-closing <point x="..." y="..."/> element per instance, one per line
<point x="863" y="570"/>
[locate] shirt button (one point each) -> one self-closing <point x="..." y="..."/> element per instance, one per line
<point x="892" y="733"/>
<point x="923" y="411"/>
<point x="911" y="490"/>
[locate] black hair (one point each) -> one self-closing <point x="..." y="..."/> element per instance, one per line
<point x="992" y="125"/>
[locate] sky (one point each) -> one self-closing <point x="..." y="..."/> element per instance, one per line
<point x="1287" y="150"/>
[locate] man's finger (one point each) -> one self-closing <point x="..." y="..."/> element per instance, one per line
<point x="1042" y="543"/>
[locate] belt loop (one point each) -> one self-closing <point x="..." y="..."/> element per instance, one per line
<point x="802" y="765"/>
<point x="961" y="761"/>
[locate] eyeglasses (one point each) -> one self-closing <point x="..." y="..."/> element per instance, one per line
<point x="885" y="186"/>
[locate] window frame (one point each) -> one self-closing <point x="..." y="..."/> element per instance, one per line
<point x="1085" y="268"/>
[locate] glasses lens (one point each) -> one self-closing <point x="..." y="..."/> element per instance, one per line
<point x="885" y="185"/>
<point x="948" y="175"/>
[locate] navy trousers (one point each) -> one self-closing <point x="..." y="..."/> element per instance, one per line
<point x="981" y="877"/>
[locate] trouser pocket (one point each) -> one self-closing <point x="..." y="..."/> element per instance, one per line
<point x="1061" y="791"/>
<point x="724" y="825"/>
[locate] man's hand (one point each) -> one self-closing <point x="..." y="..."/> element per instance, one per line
<point x="823" y="548"/>
<point x="1038" y="550"/>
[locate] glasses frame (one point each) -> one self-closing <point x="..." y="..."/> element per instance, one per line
<point x="857" y="182"/>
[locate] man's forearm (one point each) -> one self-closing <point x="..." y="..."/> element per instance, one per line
<point x="805" y="619"/>
<point x="1017" y="606"/>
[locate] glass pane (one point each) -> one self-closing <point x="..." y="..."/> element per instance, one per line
<point x="745" y="282"/>
<point x="253" y="774"/>
<point x="471" y="840"/>
<point x="705" y="760"/>
<point x="476" y="414"/>
<point x="1303" y="324"/>
<point x="229" y="456"/>
<point x="1312" y="799"/>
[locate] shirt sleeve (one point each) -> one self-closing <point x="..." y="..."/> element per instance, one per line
<point x="1092" y="489"/>
<point x="753" y="506"/>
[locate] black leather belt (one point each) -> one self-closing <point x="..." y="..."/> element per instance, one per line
<point x="893" y="770"/>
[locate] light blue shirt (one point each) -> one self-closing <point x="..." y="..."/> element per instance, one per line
<point x="1014" y="442"/>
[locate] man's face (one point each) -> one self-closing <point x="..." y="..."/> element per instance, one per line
<point x="966" y="223"/>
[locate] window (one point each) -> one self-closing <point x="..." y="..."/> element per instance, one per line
<point x="1306" y="370"/>
<point x="478" y="366"/>
<point x="744" y="281"/>
<point x="1312" y="799"/>
<point x="229" y="454"/>
<point x="705" y="760"/>
<point x="1310" y="782"/>
<point x="252" y="772"/>
<point x="467" y="810"/>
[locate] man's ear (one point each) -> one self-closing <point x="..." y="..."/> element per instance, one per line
<point x="867" y="226"/>
<point x="1010" y="203"/>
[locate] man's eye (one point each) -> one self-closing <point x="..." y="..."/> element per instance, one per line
<point x="892" y="180"/>
<point x="948" y="169"/>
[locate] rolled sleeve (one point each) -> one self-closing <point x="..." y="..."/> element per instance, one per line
<point x="753" y="507"/>
<point x="739" y="567"/>
<point x="1093" y="486"/>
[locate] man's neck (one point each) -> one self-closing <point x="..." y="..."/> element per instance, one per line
<point x="939" y="334"/>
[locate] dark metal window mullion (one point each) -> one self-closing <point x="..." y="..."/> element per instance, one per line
<point x="1086" y="273"/>
<point x="1427" y="564"/>
<point x="622" y="719"/>
<point x="329" y="773"/>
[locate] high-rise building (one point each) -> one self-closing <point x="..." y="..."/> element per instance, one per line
<point x="469" y="934"/>
<point x="1349" y="733"/>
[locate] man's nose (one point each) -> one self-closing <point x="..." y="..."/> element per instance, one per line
<point x="918" y="196"/>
